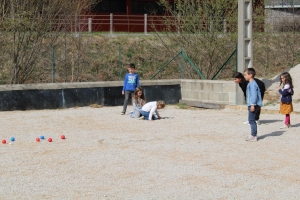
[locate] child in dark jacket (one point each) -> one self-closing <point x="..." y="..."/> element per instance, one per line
<point x="286" y="91"/>
<point x="131" y="81"/>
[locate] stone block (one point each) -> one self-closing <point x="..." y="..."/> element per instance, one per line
<point x="217" y="87"/>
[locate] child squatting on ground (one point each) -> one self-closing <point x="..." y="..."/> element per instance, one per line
<point x="131" y="81"/>
<point x="254" y="102"/>
<point x="238" y="78"/>
<point x="286" y="91"/>
<point x="138" y="100"/>
<point x="149" y="108"/>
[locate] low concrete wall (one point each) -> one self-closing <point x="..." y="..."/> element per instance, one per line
<point x="200" y="93"/>
<point x="66" y="95"/>
<point x="208" y="93"/>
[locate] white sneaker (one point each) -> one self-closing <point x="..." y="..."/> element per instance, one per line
<point x="257" y="122"/>
<point x="285" y="126"/>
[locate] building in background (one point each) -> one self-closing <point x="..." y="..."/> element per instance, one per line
<point x="124" y="16"/>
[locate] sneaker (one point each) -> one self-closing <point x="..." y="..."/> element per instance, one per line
<point x="247" y="122"/>
<point x="122" y="113"/>
<point x="285" y="126"/>
<point x="141" y="117"/>
<point x="252" y="139"/>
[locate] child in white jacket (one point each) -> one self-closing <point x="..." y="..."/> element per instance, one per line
<point x="149" y="108"/>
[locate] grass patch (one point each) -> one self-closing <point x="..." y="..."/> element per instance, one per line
<point x="182" y="106"/>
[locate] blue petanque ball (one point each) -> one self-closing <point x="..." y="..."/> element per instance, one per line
<point x="42" y="137"/>
<point x="12" y="139"/>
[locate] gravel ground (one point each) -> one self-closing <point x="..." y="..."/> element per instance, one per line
<point x="191" y="154"/>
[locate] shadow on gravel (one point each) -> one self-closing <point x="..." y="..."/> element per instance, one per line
<point x="167" y="118"/>
<point x="296" y="125"/>
<point x="269" y="121"/>
<point x="276" y="133"/>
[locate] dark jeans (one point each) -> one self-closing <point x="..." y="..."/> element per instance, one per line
<point x="251" y="119"/>
<point x="257" y="114"/>
<point x="127" y="94"/>
<point x="146" y="115"/>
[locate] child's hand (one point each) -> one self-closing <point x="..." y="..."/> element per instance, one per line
<point x="278" y="88"/>
<point x="252" y="109"/>
<point x="122" y="92"/>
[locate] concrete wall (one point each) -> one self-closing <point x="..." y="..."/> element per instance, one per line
<point x="66" y="95"/>
<point x="208" y="93"/>
<point x="201" y="93"/>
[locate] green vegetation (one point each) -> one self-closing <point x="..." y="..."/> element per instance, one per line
<point x="197" y="26"/>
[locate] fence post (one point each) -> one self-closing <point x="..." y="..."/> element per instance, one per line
<point x="53" y="65"/>
<point x="145" y="24"/>
<point x="120" y="63"/>
<point x="90" y="25"/>
<point x="225" y="26"/>
<point x="181" y="66"/>
<point x="111" y="23"/>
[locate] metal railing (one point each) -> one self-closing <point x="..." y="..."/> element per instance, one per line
<point x="282" y="3"/>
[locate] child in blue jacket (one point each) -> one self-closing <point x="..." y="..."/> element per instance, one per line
<point x="131" y="81"/>
<point x="254" y="101"/>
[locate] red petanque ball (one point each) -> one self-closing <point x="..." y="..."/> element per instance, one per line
<point x="3" y="141"/>
<point x="37" y="139"/>
<point x="62" y="137"/>
<point x="49" y="139"/>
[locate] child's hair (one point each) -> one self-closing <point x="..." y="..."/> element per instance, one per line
<point x="135" y="96"/>
<point x="161" y="104"/>
<point x="288" y="79"/>
<point x="250" y="71"/>
<point x="238" y="75"/>
<point x="131" y="65"/>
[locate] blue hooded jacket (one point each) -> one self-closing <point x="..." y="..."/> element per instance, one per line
<point x="131" y="81"/>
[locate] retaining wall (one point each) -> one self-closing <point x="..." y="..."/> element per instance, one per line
<point x="201" y="93"/>
<point x="66" y="95"/>
<point x="208" y="93"/>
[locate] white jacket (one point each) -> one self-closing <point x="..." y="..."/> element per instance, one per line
<point x="151" y="107"/>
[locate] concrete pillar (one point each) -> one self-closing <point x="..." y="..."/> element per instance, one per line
<point x="245" y="45"/>
<point x="90" y="25"/>
<point x="145" y="23"/>
<point x="111" y="23"/>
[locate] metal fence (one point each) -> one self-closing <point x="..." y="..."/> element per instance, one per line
<point x="282" y="3"/>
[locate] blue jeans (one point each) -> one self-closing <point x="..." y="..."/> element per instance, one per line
<point x="146" y="115"/>
<point x="251" y="119"/>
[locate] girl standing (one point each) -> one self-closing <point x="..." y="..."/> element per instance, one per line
<point x="286" y="90"/>
<point x="138" y="100"/>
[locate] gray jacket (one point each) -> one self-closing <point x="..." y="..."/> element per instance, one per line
<point x="137" y="107"/>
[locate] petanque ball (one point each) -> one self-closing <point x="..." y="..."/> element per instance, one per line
<point x="62" y="137"/>
<point x="3" y="141"/>
<point x="49" y="139"/>
<point x="37" y="139"/>
<point x="12" y="139"/>
<point x="42" y="137"/>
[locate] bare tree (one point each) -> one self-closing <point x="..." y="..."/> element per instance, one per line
<point x="31" y="27"/>
<point x="206" y="29"/>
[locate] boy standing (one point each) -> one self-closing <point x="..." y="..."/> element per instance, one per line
<point x="254" y="101"/>
<point x="238" y="78"/>
<point x="131" y="81"/>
